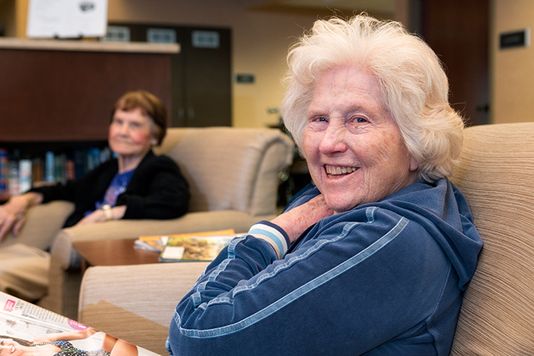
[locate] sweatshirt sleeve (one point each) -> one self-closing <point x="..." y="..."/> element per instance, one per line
<point x="329" y="296"/>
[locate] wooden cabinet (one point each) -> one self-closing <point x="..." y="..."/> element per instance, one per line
<point x="65" y="91"/>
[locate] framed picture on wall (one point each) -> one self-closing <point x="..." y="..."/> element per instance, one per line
<point x="67" y="18"/>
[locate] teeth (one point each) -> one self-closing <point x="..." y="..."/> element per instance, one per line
<point x="336" y="170"/>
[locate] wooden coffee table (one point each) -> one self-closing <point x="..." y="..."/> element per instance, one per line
<point x="113" y="253"/>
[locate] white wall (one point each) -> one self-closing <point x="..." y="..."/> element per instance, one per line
<point x="512" y="69"/>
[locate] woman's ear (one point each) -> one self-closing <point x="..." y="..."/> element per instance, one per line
<point x="413" y="164"/>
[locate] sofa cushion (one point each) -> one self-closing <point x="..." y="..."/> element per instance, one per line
<point x="496" y="173"/>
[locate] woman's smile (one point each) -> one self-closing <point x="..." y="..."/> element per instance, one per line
<point x="331" y="170"/>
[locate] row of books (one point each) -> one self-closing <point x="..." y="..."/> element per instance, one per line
<point x="19" y="174"/>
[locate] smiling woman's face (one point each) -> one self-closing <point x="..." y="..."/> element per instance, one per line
<point x="130" y="133"/>
<point x="353" y="147"/>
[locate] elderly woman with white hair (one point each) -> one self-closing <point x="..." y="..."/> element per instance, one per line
<point x="372" y="258"/>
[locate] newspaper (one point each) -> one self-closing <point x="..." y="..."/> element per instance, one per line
<point x="27" y="329"/>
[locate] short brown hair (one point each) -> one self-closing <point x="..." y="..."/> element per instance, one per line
<point x="150" y="105"/>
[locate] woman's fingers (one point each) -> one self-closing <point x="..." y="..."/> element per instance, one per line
<point x="6" y="225"/>
<point x="18" y="225"/>
<point x="295" y="221"/>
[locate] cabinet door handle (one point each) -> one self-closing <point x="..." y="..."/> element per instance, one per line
<point x="190" y="113"/>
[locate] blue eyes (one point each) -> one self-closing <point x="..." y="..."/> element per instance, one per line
<point x="350" y="121"/>
<point x="354" y="124"/>
<point x="358" y="119"/>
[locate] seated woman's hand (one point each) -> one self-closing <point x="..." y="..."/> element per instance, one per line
<point x="13" y="215"/>
<point x="99" y="215"/>
<point x="94" y="217"/>
<point x="295" y="221"/>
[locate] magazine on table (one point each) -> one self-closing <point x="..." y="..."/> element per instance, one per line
<point x="27" y="329"/>
<point x="195" y="246"/>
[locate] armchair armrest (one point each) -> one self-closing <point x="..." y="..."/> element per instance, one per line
<point x="43" y="222"/>
<point x="111" y="299"/>
<point x="62" y="251"/>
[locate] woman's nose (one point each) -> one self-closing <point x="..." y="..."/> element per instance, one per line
<point x="333" y="139"/>
<point x="123" y="129"/>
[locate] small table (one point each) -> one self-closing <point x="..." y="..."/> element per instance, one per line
<point x="113" y="253"/>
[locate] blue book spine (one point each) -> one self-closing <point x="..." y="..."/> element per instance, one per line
<point x="3" y="172"/>
<point x="50" y="167"/>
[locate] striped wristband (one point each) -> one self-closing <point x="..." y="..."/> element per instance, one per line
<point x="269" y="233"/>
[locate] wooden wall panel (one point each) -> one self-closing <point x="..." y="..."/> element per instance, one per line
<point x="51" y="95"/>
<point x="457" y="30"/>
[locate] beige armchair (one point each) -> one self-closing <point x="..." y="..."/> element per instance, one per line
<point x="495" y="172"/>
<point x="233" y="175"/>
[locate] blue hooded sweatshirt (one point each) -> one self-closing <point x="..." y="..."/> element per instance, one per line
<point x="384" y="278"/>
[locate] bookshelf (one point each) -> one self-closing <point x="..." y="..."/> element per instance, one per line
<point x="56" y="98"/>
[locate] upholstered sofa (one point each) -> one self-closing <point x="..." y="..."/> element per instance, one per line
<point x="496" y="172"/>
<point x="233" y="173"/>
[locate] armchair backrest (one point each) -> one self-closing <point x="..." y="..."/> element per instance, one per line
<point x="230" y="168"/>
<point x="496" y="173"/>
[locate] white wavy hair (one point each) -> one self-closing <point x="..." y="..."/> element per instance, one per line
<point x="412" y="81"/>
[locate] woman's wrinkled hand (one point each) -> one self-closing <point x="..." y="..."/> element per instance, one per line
<point x="13" y="215"/>
<point x="295" y="221"/>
